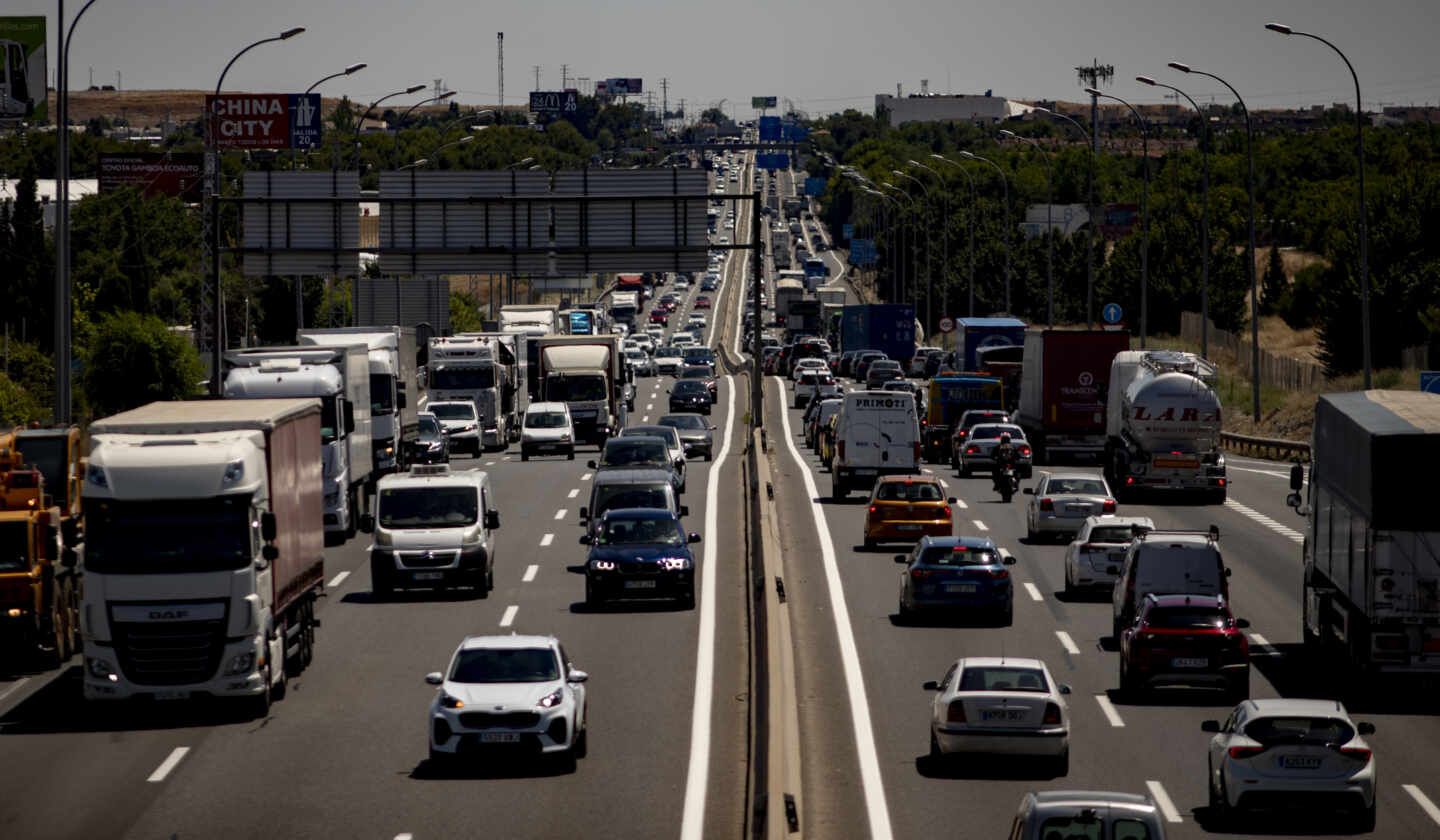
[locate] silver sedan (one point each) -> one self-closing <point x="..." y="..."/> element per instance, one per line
<point x="978" y="453"/>
<point x="1061" y="502"/>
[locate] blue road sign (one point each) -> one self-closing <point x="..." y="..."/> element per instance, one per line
<point x="815" y="186"/>
<point x="862" y="252"/>
<point x="1112" y="313"/>
<point x="795" y="132"/>
<point x="772" y="160"/>
<point x="305" y="120"/>
<point x="1430" y="381"/>
<point x="847" y="230"/>
<point x="769" y="129"/>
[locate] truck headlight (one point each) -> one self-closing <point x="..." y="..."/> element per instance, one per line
<point x="242" y="663"/>
<point x="234" y="473"/>
<point x="100" y="669"/>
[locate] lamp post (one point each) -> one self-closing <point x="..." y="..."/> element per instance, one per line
<point x="945" y="223"/>
<point x="905" y="275"/>
<point x="212" y="164"/>
<point x="1090" y="210"/>
<point x="468" y="115"/>
<point x="1360" y="156"/>
<point x="1005" y="183"/>
<point x="929" y="272"/>
<point x="1049" y="222"/>
<point x="395" y="154"/>
<point x="970" y="179"/>
<point x="1254" y="282"/>
<point x="894" y="252"/>
<point x="1204" y="213"/>
<point x="1144" y="214"/>
<point x="435" y="155"/>
<point x="521" y="162"/>
<point x="363" y="117"/>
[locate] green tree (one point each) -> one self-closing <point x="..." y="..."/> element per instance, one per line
<point x="136" y="359"/>
<point x="464" y="313"/>
<point x="1274" y="287"/>
<point x="17" y="406"/>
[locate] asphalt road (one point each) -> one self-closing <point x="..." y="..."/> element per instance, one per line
<point x="344" y="753"/>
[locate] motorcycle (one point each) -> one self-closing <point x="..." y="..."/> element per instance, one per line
<point x="1007" y="483"/>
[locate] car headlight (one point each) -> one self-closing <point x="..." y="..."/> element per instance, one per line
<point x="565" y="438"/>
<point x="552" y="699"/>
<point x="603" y="565"/>
<point x="450" y="701"/>
<point x="100" y="669"/>
<point x="242" y="663"/>
<point x="674" y="564"/>
<point x="469" y="428"/>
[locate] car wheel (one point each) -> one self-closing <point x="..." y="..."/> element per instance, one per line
<point x="581" y="747"/>
<point x="1029" y="532"/>
<point x="709" y="457"/>
<point x="1365" y="820"/>
<point x="1224" y="814"/>
<point x="380" y="586"/>
<point x="1240" y="689"/>
<point x="524" y="456"/>
<point x="570" y="456"/>
<point x="1069" y="586"/>
<point x="1213" y="795"/>
<point x="837" y="489"/>
<point x="870" y="543"/>
<point x="902" y="613"/>
<point x="687" y="601"/>
<point x="1062" y="764"/>
<point x="1007" y="617"/>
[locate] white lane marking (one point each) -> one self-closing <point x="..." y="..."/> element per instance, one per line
<point x="1162" y="799"/>
<point x="489" y="463"/>
<point x="871" y="782"/>
<point x="505" y="458"/>
<point x="530" y="572"/>
<point x="1263" y="643"/>
<point x="697" y="775"/>
<point x="980" y="525"/>
<point x="546" y="540"/>
<point x="573" y="493"/>
<point x="404" y="835"/>
<point x="946" y="485"/>
<point x="586" y="476"/>
<point x="13" y="686"/>
<point x="927" y="471"/>
<point x="1109" y="709"/>
<point x="1257" y="516"/>
<point x="1067" y="642"/>
<point x="1275" y="473"/>
<point x="166" y="766"/>
<point x="1034" y="591"/>
<point x="509" y="617"/>
<point x="649" y="406"/>
<point x="1424" y="802"/>
<point x="338" y="579"/>
<point x="960" y="503"/>
<point x="645" y="419"/>
<point x="560" y="514"/>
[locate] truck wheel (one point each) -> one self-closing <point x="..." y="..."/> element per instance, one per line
<point x="837" y="489"/>
<point x="352" y="521"/>
<point x="259" y="705"/>
<point x="307" y="639"/>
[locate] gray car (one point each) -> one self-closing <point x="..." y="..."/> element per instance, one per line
<point x="882" y="371"/>
<point x="671" y="436"/>
<point x="1061" y="502"/>
<point x="696" y="433"/>
<point x="978" y="453"/>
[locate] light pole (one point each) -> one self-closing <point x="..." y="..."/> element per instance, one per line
<point x="414" y="164"/>
<point x="1144" y="214"/>
<point x="469" y="115"/>
<point x="945" y="222"/>
<point x="1005" y="184"/>
<point x="1090" y="211"/>
<point x="1360" y="156"/>
<point x="212" y="163"/>
<point x="1204" y="213"/>
<point x="354" y="68"/>
<point x="970" y="179"/>
<point x="894" y="250"/>
<point x="435" y="155"/>
<point x="363" y="117"/>
<point x="1049" y="222"/>
<point x="929" y="272"/>
<point x="905" y="286"/>
<point x="399" y="123"/>
<point x="1254" y="283"/>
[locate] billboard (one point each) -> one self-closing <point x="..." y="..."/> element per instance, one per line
<point x="619" y="87"/>
<point x="763" y="101"/>
<point x="23" y="76"/>
<point x="265" y="120"/>
<point x="554" y="102"/>
<point x="177" y="174"/>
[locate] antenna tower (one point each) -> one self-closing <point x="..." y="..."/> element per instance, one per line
<point x="500" y="61"/>
<point x="1093" y="76"/>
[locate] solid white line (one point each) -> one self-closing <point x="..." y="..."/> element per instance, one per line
<point x="404" y="836"/>
<point x="13" y="686"/>
<point x="560" y="514"/>
<point x="697" y="775"/>
<point x="509" y="617"/>
<point x="980" y="525"/>
<point x="1424" y="802"/>
<point x="1109" y="709"/>
<point x="1034" y="591"/>
<point x="573" y="493"/>
<point x="586" y="476"/>
<point x="1275" y="473"/>
<point x="1069" y="643"/>
<point x="168" y="764"/>
<point x="1264" y="644"/>
<point x="338" y="579"/>
<point x="1162" y="799"/>
<point x="530" y="572"/>
<point x="546" y="540"/>
<point x="871" y="782"/>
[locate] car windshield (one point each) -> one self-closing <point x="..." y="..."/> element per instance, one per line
<point x="429" y="507"/>
<point x="505" y="665"/>
<point x="687" y="387"/>
<point x="641" y="531"/>
<point x="897" y="491"/>
<point x="1075" y="487"/>
<point x="695" y="372"/>
<point x="958" y="555"/>
<point x="1112" y="534"/>
<point x="704" y="354"/>
<point x="429" y="428"/>
<point x="545" y="420"/>
<point x="1187" y="618"/>
<point x="668" y="352"/>
<point x="1003" y="678"/>
<point x="1316" y="731"/>
<point x="630" y="496"/>
<point x="629" y="452"/>
<point x="453" y="411"/>
<point x="685" y="421"/>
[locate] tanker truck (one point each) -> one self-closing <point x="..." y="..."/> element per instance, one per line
<point x="1163" y="424"/>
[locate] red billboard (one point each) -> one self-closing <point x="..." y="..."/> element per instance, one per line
<point x="178" y="175"/>
<point x="264" y="120"/>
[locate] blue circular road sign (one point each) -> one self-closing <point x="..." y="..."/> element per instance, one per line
<point x="1112" y="313"/>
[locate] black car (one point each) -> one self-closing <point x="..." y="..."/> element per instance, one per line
<point x="690" y="395"/>
<point x="432" y="446"/>
<point x="640" y="553"/>
<point x="695" y="433"/>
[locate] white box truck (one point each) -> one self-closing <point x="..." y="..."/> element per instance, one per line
<point x="531" y="319"/>
<point x="394" y="388"/>
<point x="588" y="373"/>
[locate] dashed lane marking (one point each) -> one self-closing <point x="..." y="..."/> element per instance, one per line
<point x="175" y="757"/>
<point x="338" y="579"/>
<point x="980" y="525"/>
<point x="560" y="514"/>
<point x="1162" y="799"/>
<point x="960" y="503"/>
<point x="13" y="687"/>
<point x="573" y="493"/>
<point x="1067" y="642"/>
<point x="1257" y="516"/>
<point x="530" y="572"/>
<point x="586" y="476"/>
<point x="509" y="617"/>
<point x="489" y="463"/>
<point x="1109" y="709"/>
<point x="1034" y="591"/>
<point x="649" y="406"/>
<point x="1263" y="643"/>
<point x="546" y="540"/>
<point x="1424" y="802"/>
<point x="404" y="835"/>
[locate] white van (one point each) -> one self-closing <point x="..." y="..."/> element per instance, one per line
<point x="877" y="433"/>
<point x="1168" y="563"/>
<point x="432" y="528"/>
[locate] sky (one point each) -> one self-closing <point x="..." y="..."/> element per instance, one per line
<point x="823" y="55"/>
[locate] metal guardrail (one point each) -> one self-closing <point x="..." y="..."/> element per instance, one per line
<point x="1266" y="446"/>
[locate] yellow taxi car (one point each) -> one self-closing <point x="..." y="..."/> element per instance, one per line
<point x="904" y="508"/>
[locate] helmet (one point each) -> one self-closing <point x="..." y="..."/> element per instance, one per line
<point x="1004" y="437"/>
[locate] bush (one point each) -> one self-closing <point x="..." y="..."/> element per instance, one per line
<point x="17" y="406"/>
<point x="135" y="360"/>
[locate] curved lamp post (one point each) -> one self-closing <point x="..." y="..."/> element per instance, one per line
<point x="945" y="225"/>
<point x="1049" y="222"/>
<point x="1090" y="211"/>
<point x="1144" y="214"/>
<point x="907" y="267"/>
<point x="435" y="155"/>
<point x="399" y="123"/>
<point x="929" y="272"/>
<point x="370" y="109"/>
<point x="969" y="179"/>
<point x="354" y="68"/>
<point x="893" y="208"/>
<point x="1254" y="282"/>
<point x="1005" y="183"/>
<point x="1360" y="156"/>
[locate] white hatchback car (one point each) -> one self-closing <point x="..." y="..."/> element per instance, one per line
<point x="1094" y="557"/>
<point x="1282" y="752"/>
<point x="1001" y="705"/>
<point x="514" y="692"/>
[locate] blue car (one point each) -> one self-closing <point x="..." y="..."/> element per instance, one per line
<point x="958" y="575"/>
<point x="640" y="553"/>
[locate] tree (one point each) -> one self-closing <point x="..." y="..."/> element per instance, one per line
<point x="137" y="359"/>
<point x="29" y="265"/>
<point x="464" y="313"/>
<point x="713" y="115"/>
<point x="1274" y="285"/>
<point x="17" y="406"/>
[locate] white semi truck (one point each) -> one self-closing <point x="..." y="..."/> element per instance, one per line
<point x="339" y="377"/>
<point x="394" y="388"/>
<point x="588" y="373"/>
<point x="204" y="549"/>
<point x="482" y="368"/>
<point x="1162" y="424"/>
<point x="530" y="319"/>
<point x="625" y="308"/>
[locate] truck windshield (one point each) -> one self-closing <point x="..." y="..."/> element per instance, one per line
<point x="429" y="507"/>
<point x="167" y="536"/>
<point x="446" y="378"/>
<point x="575" y="389"/>
<point x="46" y="454"/>
<point x="382" y="400"/>
<point x="14" y="546"/>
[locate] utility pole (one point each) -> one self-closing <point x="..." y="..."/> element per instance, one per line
<point x="564" y="76"/>
<point x="664" y="98"/>
<point x="537" y="76"/>
<point x="1091" y="77"/>
<point x="500" y="60"/>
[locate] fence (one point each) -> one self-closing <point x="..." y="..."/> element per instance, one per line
<point x="1275" y="371"/>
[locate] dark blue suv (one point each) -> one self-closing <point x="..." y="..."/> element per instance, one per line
<point x="959" y="575"/>
<point x="640" y="553"/>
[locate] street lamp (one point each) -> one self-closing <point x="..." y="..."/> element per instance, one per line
<point x="1360" y="156"/>
<point x="399" y="123"/>
<point x="414" y="164"/>
<point x="905" y="290"/>
<point x="929" y="273"/>
<point x="970" y="179"/>
<point x="213" y="164"/>
<point x="893" y="207"/>
<point x="1090" y="210"/>
<point x="945" y="221"/>
<point x="1254" y="283"/>
<point x="1204" y="213"/>
<point x="462" y="141"/>
<point x="1144" y="214"/>
<point x="1049" y="222"/>
<point x="354" y="68"/>
<point x="521" y="162"/>
<point x="1005" y="183"/>
<point x="370" y="109"/>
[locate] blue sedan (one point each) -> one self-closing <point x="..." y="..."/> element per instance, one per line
<point x="959" y="575"/>
<point x="640" y="553"/>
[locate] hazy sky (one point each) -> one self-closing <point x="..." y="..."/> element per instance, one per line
<point x="826" y="55"/>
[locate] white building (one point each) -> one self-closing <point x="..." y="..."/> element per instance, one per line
<point x="46" y="191"/>
<point x="935" y="108"/>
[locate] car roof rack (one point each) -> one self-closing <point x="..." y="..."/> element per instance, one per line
<point x="1140" y="532"/>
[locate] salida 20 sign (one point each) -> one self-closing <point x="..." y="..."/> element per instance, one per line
<point x="264" y="120"/>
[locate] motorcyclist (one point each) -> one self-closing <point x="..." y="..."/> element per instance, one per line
<point x="1005" y="456"/>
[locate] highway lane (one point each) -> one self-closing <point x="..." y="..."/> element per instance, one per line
<point x="1158" y="747"/>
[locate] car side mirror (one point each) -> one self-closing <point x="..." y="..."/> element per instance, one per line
<point x="577" y="676"/>
<point x="694" y="538"/>
<point x="586" y="540"/>
<point x="267" y="526"/>
<point x="367" y="523"/>
<point x="435" y="678"/>
<point x="930" y="685"/>
<point x="684" y="510"/>
<point x="590" y="465"/>
<point x="1365" y="728"/>
<point x="1210" y="726"/>
<point x="1227" y="572"/>
<point x="1064" y="688"/>
<point x="1297" y="477"/>
<point x="270" y="553"/>
<point x="1028" y="491"/>
<point x="950" y="501"/>
<point x="492" y="519"/>
<point x="1242" y="624"/>
<point x="1007" y="559"/>
<point x="584" y="513"/>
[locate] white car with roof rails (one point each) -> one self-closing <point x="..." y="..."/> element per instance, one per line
<point x="1087" y="814"/>
<point x="432" y="527"/>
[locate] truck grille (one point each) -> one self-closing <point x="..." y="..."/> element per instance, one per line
<point x="426" y="559"/>
<point x="170" y="653"/>
<point x="499" y="720"/>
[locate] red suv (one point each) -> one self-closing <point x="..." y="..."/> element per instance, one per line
<point x="658" y="315"/>
<point x="1185" y="640"/>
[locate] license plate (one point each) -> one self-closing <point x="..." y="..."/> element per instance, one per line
<point x="499" y="737"/>
<point x="428" y="575"/>
<point x="639" y="584"/>
<point x="864" y="472"/>
<point x="178" y="694"/>
<point x="1300" y="762"/>
<point x="1077" y="508"/>
<point x="1189" y="662"/>
<point x="960" y="587"/>
<point x="908" y="527"/>
<point x="1007" y="715"/>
